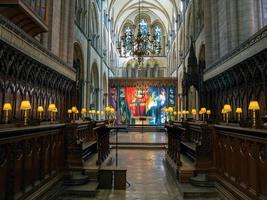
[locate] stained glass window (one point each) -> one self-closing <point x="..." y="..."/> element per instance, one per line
<point x="158" y="33"/>
<point x="128" y="32"/>
<point x="144" y="28"/>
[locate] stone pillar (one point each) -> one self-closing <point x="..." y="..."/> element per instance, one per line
<point x="64" y="30"/>
<point x="233" y="26"/>
<point x="247" y="20"/>
<point x="70" y="38"/>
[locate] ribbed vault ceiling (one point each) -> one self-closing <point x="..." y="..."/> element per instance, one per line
<point x="162" y="9"/>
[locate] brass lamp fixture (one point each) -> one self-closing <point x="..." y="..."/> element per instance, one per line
<point x="54" y="114"/>
<point x="227" y="108"/>
<point x="203" y="111"/>
<point x="40" y="110"/>
<point x="224" y="115"/>
<point x="69" y="112"/>
<point x="25" y="106"/>
<point x="7" y="107"/>
<point x="51" y="108"/>
<point x="179" y="115"/>
<point x="187" y="113"/>
<point x="254" y="105"/>
<point x="194" y="113"/>
<point x="208" y="113"/>
<point x="239" y="112"/>
<point x="77" y="114"/>
<point x="74" y="111"/>
<point x="140" y="45"/>
<point x="184" y="114"/>
<point x="83" y="112"/>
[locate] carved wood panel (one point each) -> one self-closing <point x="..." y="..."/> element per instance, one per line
<point x="238" y="86"/>
<point x="21" y="77"/>
<point x="241" y="161"/>
<point x="28" y="161"/>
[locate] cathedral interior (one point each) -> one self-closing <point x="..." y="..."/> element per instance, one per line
<point x="133" y="99"/>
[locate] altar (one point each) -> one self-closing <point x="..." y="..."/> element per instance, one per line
<point x="142" y="120"/>
<point x="142" y="101"/>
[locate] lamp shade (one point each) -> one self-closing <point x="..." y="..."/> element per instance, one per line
<point x="74" y="109"/>
<point x="25" y="105"/>
<point x="112" y="110"/>
<point x="174" y="113"/>
<point x="184" y="112"/>
<point x="7" y="106"/>
<point x="200" y="112"/>
<point x="98" y="112"/>
<point x="55" y="110"/>
<point x="254" y="105"/>
<point x="51" y="107"/>
<point x="107" y="109"/>
<point x="83" y="110"/>
<point x="170" y="109"/>
<point x="93" y="111"/>
<point x="203" y="110"/>
<point x="238" y="110"/>
<point x="179" y="112"/>
<point x="69" y="111"/>
<point x="77" y="111"/>
<point x="227" y="108"/>
<point x="194" y="111"/>
<point x="208" y="112"/>
<point x="223" y="111"/>
<point x="187" y="112"/>
<point x="40" y="109"/>
<point x="102" y="112"/>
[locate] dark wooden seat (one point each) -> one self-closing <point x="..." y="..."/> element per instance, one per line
<point x="189" y="149"/>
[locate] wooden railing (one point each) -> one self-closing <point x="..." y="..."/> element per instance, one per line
<point x="241" y="160"/>
<point x="81" y="143"/>
<point x="175" y="133"/>
<point x="34" y="158"/>
<point x="102" y="134"/>
<point x="198" y="141"/>
<point x="29" y="158"/>
<point x="234" y="157"/>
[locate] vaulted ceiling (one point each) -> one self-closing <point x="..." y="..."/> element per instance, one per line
<point x="165" y="10"/>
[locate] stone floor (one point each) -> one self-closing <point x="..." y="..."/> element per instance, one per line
<point x="137" y="137"/>
<point x="147" y="174"/>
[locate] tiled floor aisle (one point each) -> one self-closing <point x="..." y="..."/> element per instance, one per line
<point x="146" y="172"/>
<point x="147" y="175"/>
<point x="137" y="137"/>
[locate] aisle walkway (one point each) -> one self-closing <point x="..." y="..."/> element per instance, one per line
<point x="146" y="171"/>
<point x="137" y="137"/>
<point x="147" y="176"/>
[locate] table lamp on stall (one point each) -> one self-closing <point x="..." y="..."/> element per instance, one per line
<point x="74" y="111"/>
<point x="208" y="113"/>
<point x="203" y="111"/>
<point x="254" y="105"/>
<point x="69" y="112"/>
<point x="83" y="112"/>
<point x="227" y="108"/>
<point x="40" y="110"/>
<point x="25" y="106"/>
<point x="239" y="112"/>
<point x="55" y="111"/>
<point x="51" y="107"/>
<point x="194" y="113"/>
<point x="7" y="107"/>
